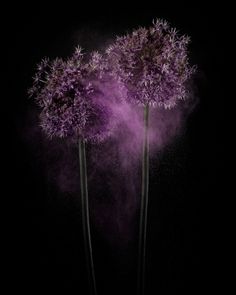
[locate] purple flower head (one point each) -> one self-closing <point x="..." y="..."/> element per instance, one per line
<point x="72" y="103"/>
<point x="152" y="64"/>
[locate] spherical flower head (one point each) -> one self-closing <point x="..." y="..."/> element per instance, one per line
<point x="71" y="103"/>
<point x="152" y="64"/>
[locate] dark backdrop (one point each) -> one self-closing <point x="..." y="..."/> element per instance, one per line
<point x="47" y="246"/>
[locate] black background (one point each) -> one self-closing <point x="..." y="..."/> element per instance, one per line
<point x="47" y="247"/>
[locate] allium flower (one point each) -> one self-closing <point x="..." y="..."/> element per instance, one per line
<point x="153" y="67"/>
<point x="68" y="93"/>
<point x="152" y="64"/>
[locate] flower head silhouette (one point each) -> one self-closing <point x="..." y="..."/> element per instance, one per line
<point x="152" y="64"/>
<point x="70" y="99"/>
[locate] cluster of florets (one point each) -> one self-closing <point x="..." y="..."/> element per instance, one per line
<point x="68" y="93"/>
<point x="152" y="64"/>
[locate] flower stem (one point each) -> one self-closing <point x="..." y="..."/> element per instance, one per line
<point x="85" y="217"/>
<point x="144" y="206"/>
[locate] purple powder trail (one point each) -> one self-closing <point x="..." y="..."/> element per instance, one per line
<point x="114" y="165"/>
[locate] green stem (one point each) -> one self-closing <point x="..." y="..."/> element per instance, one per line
<point x="85" y="217"/>
<point x="144" y="206"/>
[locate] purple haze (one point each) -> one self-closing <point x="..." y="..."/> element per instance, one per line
<point x="114" y="165"/>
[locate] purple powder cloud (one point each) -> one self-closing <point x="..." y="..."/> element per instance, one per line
<point x="100" y="98"/>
